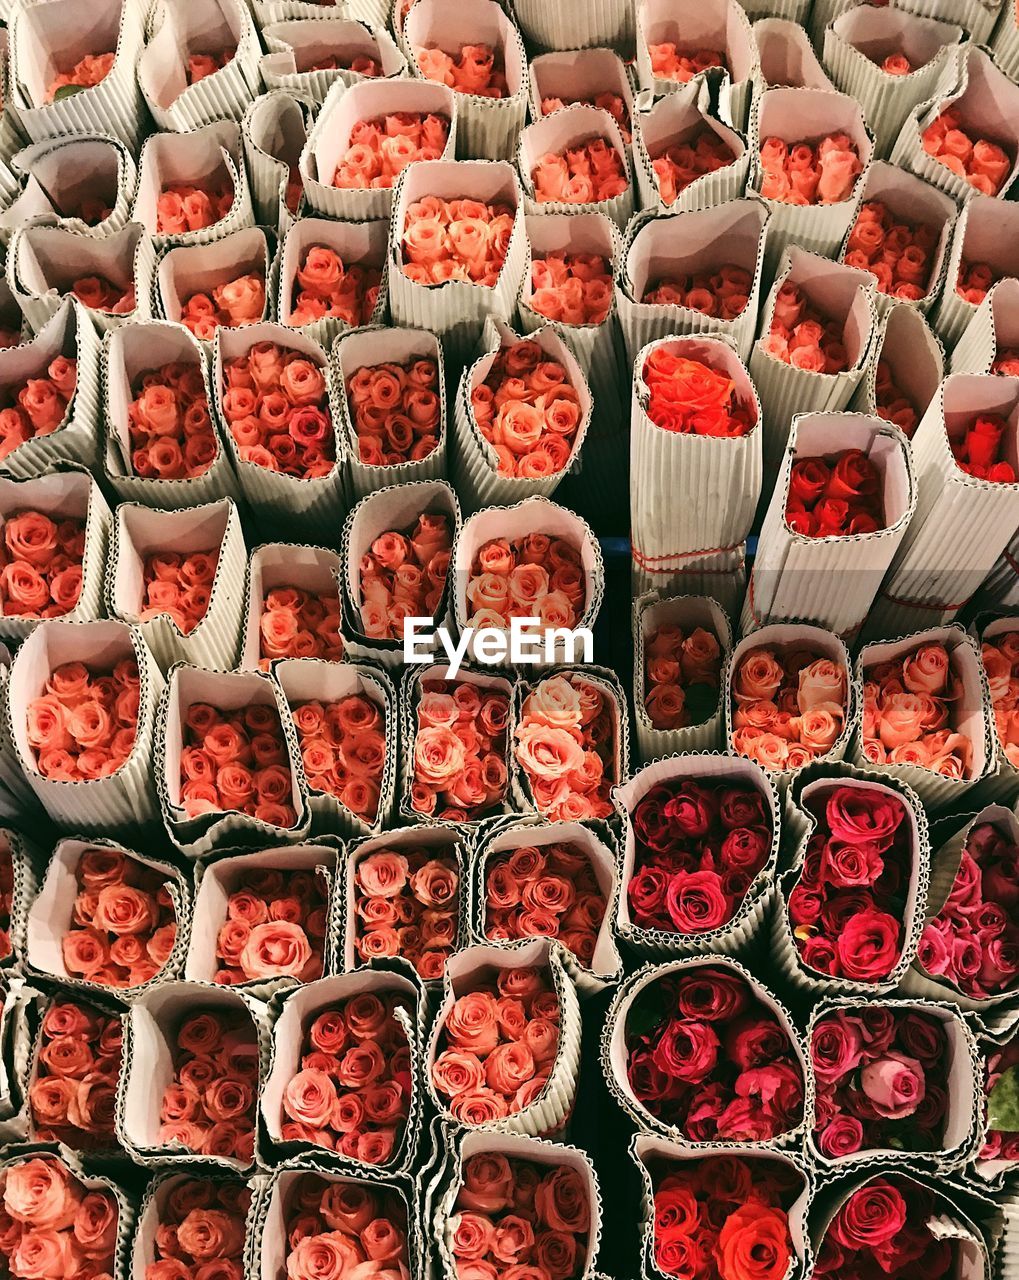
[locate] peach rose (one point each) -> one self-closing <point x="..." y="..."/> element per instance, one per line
<point x="759" y="676"/>
<point x="276" y="949"/>
<point x="548" y="752"/>
<point x="927" y="670"/>
<point x="821" y="681"/>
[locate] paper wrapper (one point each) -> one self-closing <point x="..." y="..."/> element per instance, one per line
<point x="65" y="493"/>
<point x="475" y="461"/>
<point x="328" y="141"/>
<point x="993" y="1172"/>
<point x="858" y="41"/>
<point x="410" y="694"/>
<point x="142" y="531"/>
<point x="654" y="1155"/>
<point x="839" y="292"/>
<point x="394" y="508"/>
<point x="533" y="515"/>
<point x="691" y="495"/>
<point x="671" y="121"/>
<point x="576" y="24"/>
<point x="487" y="128"/>
<point x="314" y="679"/>
<point x="915" y="358"/>
<point x="128" y="353"/>
<point x="479" y="965"/>
<point x="564" y="130"/>
<point x="909" y="199"/>
<point x="745" y="925"/>
<point x="1004" y="786"/>
<point x="59" y="173"/>
<point x="784" y="113"/>
<point x="150" y="1039"/>
<point x="613" y="1052"/>
<point x="994" y="327"/>
<point x="973" y="715"/>
<point x="186" y="270"/>
<point x="296" y="47"/>
<point x="20" y="1009"/>
<point x="1000" y="589"/>
<point x="831" y="581"/>
<point x="153" y="1213"/>
<point x="211" y="26"/>
<point x="964" y="1081"/>
<point x="292" y="1013"/>
<point x="651" y="611"/>
<point x="661" y="247"/>
<point x="787" y="56"/>
<point x="962" y="524"/>
<point x="209" y="158"/>
<point x="799" y="635"/>
<point x="354" y="243"/>
<point x="274" y="130"/>
<point x="51" y="917"/>
<point x="438" y="839"/>
<point x="18" y="802"/>
<point x="456" y="310"/>
<point x="228" y="691"/>
<point x="27" y="861"/>
<point x="723" y="576"/>
<point x="944" y="869"/>
<point x="215" y="881"/>
<point x="48" y="39"/>
<point x="1004" y="44"/>
<point x="988" y="103"/>
<point x="721" y="25"/>
<point x="977" y="17"/>
<point x="598" y="843"/>
<point x="374" y="346"/>
<point x="516" y="1147"/>
<point x="987" y="231"/>
<point x="44" y="262"/>
<point x="281" y="564"/>
<point x="124" y="800"/>
<point x="581" y="74"/>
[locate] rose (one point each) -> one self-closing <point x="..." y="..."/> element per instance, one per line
<point x="873" y="1216"/>
<point x="864" y="814"/>
<point x="868" y="945"/>
<point x="836" y="1048"/>
<point x="754" y="1244"/>
<point x="561" y="1201"/>
<point x="894" y="1084"/>
<point x="686" y="1051"/>
<point x="276" y="949"/>
<point x="38" y="1192"/>
<point x="696" y="902"/>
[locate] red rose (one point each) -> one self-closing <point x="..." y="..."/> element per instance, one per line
<point x="686" y="1051"/>
<point x="697" y="903"/>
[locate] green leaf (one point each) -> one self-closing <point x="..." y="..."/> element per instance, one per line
<point x="68" y="90"/>
<point x="647" y="1011"/>
<point x="701" y="702"/>
<point x="1003" y="1102"/>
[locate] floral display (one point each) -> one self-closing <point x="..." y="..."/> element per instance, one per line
<point x="396" y="411"/>
<point x="892" y="403"/>
<point x="587" y="173"/>
<point x="835" y="496"/>
<point x="691" y="398"/>
<point x="520" y="1218"/>
<point x="459" y="751"/>
<point x="345" y="1225"/>
<point x="607" y="101"/>
<point x="981" y="451"/>
<point x="952" y="142"/>
<point x="789" y="705"/>
<point x="86" y="73"/>
<point x="900" y="254"/>
<point x="882" y="1080"/>
<point x="40" y="565"/>
<point x="805" y="173"/>
<point x="1000" y="658"/>
<point x="538" y="576"/>
<point x="1001" y="1087"/>
<point x="100" y="294"/>
<point x="74" y="1093"/>
<point x="275" y="927"/>
<point x="404" y="575"/>
<point x="802" y="336"/>
<point x="235" y="302"/>
<point x="182" y="207"/>
<point x="178" y="587"/>
<point x="682" y="673"/>
<point x="53" y="1221"/>
<point x="567" y="746"/>
<point x="702" y="151"/>
<point x="325" y="288"/>
<point x="343" y="748"/>
<point x="407" y="903"/>
<point x="352" y="1093"/>
<point x="201" y="1230"/>
<point x="975" y="280"/>
<point x="497" y="1046"/>
<point x="972" y="943"/>
<point x="295" y="623"/>
<point x="848" y="907"/>
<point x="1006" y="362"/>
<point x="236" y="761"/>
<point x="83" y="726"/>
<point x="910" y="709"/>
<point x="707" y="1056"/>
<point x="528" y="410"/>
<point x="723" y="292"/>
<point x="382" y="149"/>
<point x="169" y="425"/>
<point x="37" y="406"/>
<point x="477" y="69"/>
<point x="455" y="240"/>
<point x="549" y="891"/>
<point x="699" y="846"/>
<point x="573" y="288"/>
<point x="671" y="62"/>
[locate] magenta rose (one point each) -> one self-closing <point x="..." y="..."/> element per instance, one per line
<point x="868" y="946"/>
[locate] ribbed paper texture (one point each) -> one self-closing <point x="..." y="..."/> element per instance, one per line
<point x="274" y="133"/>
<point x="54" y="171"/>
<point x="564" y="130"/>
<point x="300" y="44"/>
<point x="987" y="231"/>
<point x="787" y="56"/>
<point x="576" y="24"/>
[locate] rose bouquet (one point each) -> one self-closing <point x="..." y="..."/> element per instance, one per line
<point x="83" y="726"/>
<point x="537" y="576"/>
<point x="404" y="575"/>
<point x="613" y="103"/>
<point x="570" y="744"/>
<point x="701" y="1050"/>
<point x="275" y="926"/>
<point x="324" y="288"/>
<point x="171" y="433"/>
<point x="221" y="283"/>
<point x="573" y="288"/>
<point x="905" y="372"/>
<point x="900" y="254"/>
<point x="55" y="1220"/>
<point x="981" y="162"/>
<point x="178" y="587"/>
<point x="199" y="1228"/>
<point x="459" y="745"/>
<point x="343" y="750"/>
<point x="700" y="153"/>
<point x="723" y="293"/>
<point x="801" y="335"/>
<point x="295" y="622"/>
<point x="396" y="411"/>
<point x="693" y="48"/>
<point x="589" y="172"/>
<point x="669" y="62"/>
<point x="681" y="676"/>
<point x="37" y="406"/>
<point x="475" y="69"/>
<point x="334" y="1226"/>
<point x="883" y="1074"/>
<point x="238" y="300"/>
<point x="999" y="654"/>
<point x="1000" y="1149"/>
<point x="689" y="396"/>
<point x="380" y="149"/>
<point x="40" y="564"/>
<point x="820" y="171"/>
<point x="73" y="1090"/>
<point x="851" y="904"/>
<point x="835" y="496"/>
<point x="456" y="239"/>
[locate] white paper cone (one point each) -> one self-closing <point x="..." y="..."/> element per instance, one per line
<point x="915" y="358"/>
<point x="565" y="130"/>
<point x="787" y="56"/>
<point x="279" y="564"/>
<point x="579" y="75"/>
<point x="274" y="131"/>
<point x="185" y="270"/>
<point x="61" y="172"/>
<point x="297" y="47"/>
<point x="576" y="24"/>
<point x="993" y="328"/>
<point x="987" y="232"/>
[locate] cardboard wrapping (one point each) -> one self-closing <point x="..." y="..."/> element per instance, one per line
<point x="295" y="49"/>
<point x="565" y="130"/>
<point x="19" y="1015"/>
<point x="987" y="231"/>
<point x="314" y="679"/>
<point x="1004" y="43"/>
<point x="746" y="923"/>
<point x="68" y="492"/>
<point x="977" y="17"/>
<point x="721" y="575"/>
<point x="993" y="328"/>
<point x="904" y="342"/>
<point x="659" y="247"/>
<point x="124" y="800"/>
<point x="989" y="1170"/>
<point x="153" y="1211"/>
<point x="787" y="56"/>
<point x="280" y="564"/>
<point x="581" y="74"/>
<point x="274" y="130"/>
<point x="831" y="581"/>
<point x="129" y="353"/>
<point x="140" y="531"/>
<point x="962" y="524"/>
<point x="688" y="612"/>
<point x="57" y="174"/>
<point x="185" y="270"/>
<point x="576" y="24"/>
